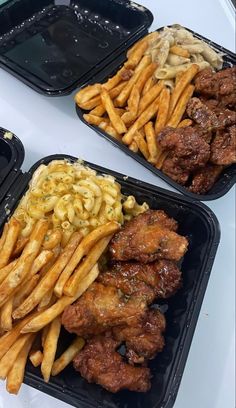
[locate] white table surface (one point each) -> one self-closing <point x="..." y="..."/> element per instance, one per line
<point x="50" y="125"/>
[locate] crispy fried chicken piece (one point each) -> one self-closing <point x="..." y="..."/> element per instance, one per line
<point x="148" y="237"/>
<point x="204" y="179"/>
<point x="223" y="147"/>
<point x="143" y="340"/>
<point x="99" y="362"/>
<point x="100" y="308"/>
<point x="190" y="150"/>
<point x="159" y="279"/>
<point x="220" y="85"/>
<point x="172" y="169"/>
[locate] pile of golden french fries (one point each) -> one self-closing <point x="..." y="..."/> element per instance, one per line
<point x="150" y="91"/>
<point x="40" y="274"/>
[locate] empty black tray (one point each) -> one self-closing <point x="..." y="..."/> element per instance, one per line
<point x="228" y="176"/>
<point x="200" y="225"/>
<point x="55" y="46"/>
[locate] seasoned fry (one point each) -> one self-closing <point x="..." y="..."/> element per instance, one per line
<point x="185" y="79"/>
<point x="133" y="146"/>
<point x="55" y="310"/>
<point x="36" y="357"/>
<point x="116" y="79"/>
<point x="87" y="93"/>
<point x="72" y="285"/>
<point x="99" y="110"/>
<point x="20" y="244"/>
<point x="135" y="57"/>
<point x="185" y="123"/>
<point x="177" y="50"/>
<point x="92" y="103"/>
<point x="147" y="114"/>
<point x="181" y="106"/>
<point x="30" y="252"/>
<point x="133" y="102"/>
<point x="112" y="132"/>
<point x="154" y="151"/>
<point x="146" y="74"/>
<point x="50" y="347"/>
<point x="68" y="355"/>
<point x="115" y="119"/>
<point x="150" y="38"/>
<point x="141" y="143"/>
<point x="16" y="374"/>
<point x="9" y="358"/>
<point x="163" y="110"/>
<point x="7" y="269"/>
<point x="5" y="317"/>
<point x="49" y="280"/>
<point x="9" y="242"/>
<point x="149" y="84"/>
<point x="83" y="249"/>
<point x="149" y="97"/>
<point x="94" y="120"/>
<point x="128" y="118"/>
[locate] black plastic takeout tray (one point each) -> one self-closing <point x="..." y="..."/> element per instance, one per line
<point x="56" y="45"/>
<point x="227" y="178"/>
<point x="200" y="225"/>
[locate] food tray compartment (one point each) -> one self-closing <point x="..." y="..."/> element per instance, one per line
<point x="200" y="225"/>
<point x="227" y="178"/>
<point x="55" y="46"/>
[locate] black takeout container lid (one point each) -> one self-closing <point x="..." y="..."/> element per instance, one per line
<point x="228" y="176"/>
<point x="199" y="224"/>
<point x="55" y="46"/>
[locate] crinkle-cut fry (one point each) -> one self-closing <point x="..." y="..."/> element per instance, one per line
<point x="24" y="290"/>
<point x="72" y="285"/>
<point x="185" y="123"/>
<point x="48" y="280"/>
<point x="10" y="337"/>
<point x="10" y="241"/>
<point x="112" y="132"/>
<point x="46" y="300"/>
<point x="9" y="358"/>
<point x="150" y="38"/>
<point x="52" y="239"/>
<point x="87" y="93"/>
<point x="160" y="161"/>
<point x="146" y="74"/>
<point x="149" y="97"/>
<point x="163" y="111"/>
<point x="4" y="234"/>
<point x="23" y="266"/>
<point x="154" y="149"/>
<point x="7" y="269"/>
<point x="133" y="147"/>
<point x="68" y="355"/>
<point x="149" y="84"/>
<point x="20" y="244"/>
<point x="36" y="357"/>
<point x="115" y="119"/>
<point x="5" y="315"/>
<point x="181" y="106"/>
<point x="178" y="50"/>
<point x="133" y="101"/>
<point x="50" y="348"/>
<point x="15" y="376"/>
<point x="94" y="120"/>
<point x="183" y="81"/>
<point x="136" y="55"/>
<point x="86" y="245"/>
<point x="147" y="114"/>
<point x="141" y="143"/>
<point x="45" y="317"/>
<point x="124" y="94"/>
<point x="98" y="111"/>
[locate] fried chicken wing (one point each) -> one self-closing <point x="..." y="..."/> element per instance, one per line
<point x="145" y="339"/>
<point x="100" y="308"/>
<point x="223" y="147"/>
<point x="148" y="237"/>
<point x="99" y="362"/>
<point x="159" y="279"/>
<point x="172" y="169"/>
<point x="204" y="179"/>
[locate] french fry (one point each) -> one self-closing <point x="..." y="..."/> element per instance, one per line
<point x="24" y="290"/>
<point x="68" y="355"/>
<point x="87" y="93"/>
<point x="40" y="261"/>
<point x="150" y="38"/>
<point x="56" y="252"/>
<point x="94" y="120"/>
<point x="146" y="74"/>
<point x="184" y="80"/>
<point x="115" y="80"/>
<point x="90" y="104"/>
<point x="46" y="300"/>
<point x="185" y="123"/>
<point x="181" y="106"/>
<point x="50" y="347"/>
<point x="52" y="239"/>
<point x="177" y="50"/>
<point x="133" y="146"/>
<point x="154" y="151"/>
<point x="128" y="118"/>
<point x="112" y="132"/>
<point x="45" y="317"/>
<point x="149" y="84"/>
<point x="147" y="114"/>
<point x="141" y="143"/>
<point x="36" y="357"/>
<point x="10" y="241"/>
<point x="9" y="358"/>
<point x="133" y="101"/>
<point x="94" y="254"/>
<point x="4" y="234"/>
<point x="103" y="126"/>
<point x="115" y="119"/>
<point x="162" y="117"/>
<point x="20" y="244"/>
<point x="49" y="280"/>
<point x="15" y="376"/>
<point x="83" y="249"/>
<point x="22" y="268"/>
<point x="99" y="110"/>
<point x="149" y="97"/>
<point x="44" y="334"/>
<point x="135" y="57"/>
<point x="5" y="317"/>
<point x="7" y="269"/>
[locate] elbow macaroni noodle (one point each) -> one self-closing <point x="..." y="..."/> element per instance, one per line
<point x="73" y="197"/>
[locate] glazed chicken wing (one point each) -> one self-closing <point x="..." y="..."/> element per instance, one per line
<point x="223" y="147"/>
<point x="148" y="237"/>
